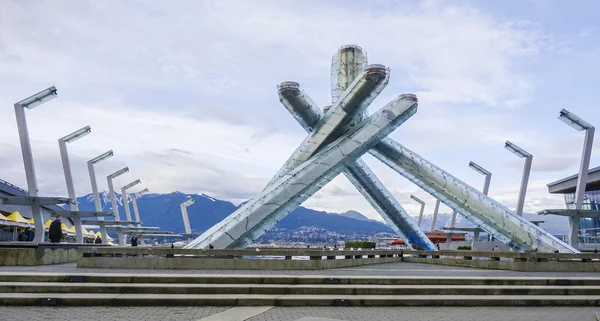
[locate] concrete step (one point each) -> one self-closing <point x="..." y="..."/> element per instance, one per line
<point x="286" y="279"/>
<point x="100" y="299"/>
<point x="293" y="289"/>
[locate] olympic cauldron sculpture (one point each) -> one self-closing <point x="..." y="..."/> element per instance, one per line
<point x="337" y="137"/>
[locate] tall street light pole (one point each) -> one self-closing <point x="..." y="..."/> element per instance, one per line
<point x="486" y="183"/>
<point x="113" y="200"/>
<point x="29" y="103"/>
<point x="486" y="173"/>
<point x="97" y="203"/>
<point x="64" y="155"/>
<point x="579" y="125"/>
<point x="186" y="220"/>
<point x="526" y="170"/>
<point x="136" y="213"/>
<point x="435" y="214"/>
<point x="422" y="208"/>
<point x="126" y="198"/>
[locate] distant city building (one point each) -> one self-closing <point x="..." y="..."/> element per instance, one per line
<point x="589" y="229"/>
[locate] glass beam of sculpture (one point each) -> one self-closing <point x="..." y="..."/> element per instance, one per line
<point x="358" y="173"/>
<point x="478" y="208"/>
<point x="353" y="88"/>
<point x="347" y="66"/>
<point x="287" y="192"/>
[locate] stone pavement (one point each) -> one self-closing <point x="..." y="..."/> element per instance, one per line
<point x="292" y="313"/>
<point x="107" y="313"/>
<point x="387" y="269"/>
<point x="432" y="314"/>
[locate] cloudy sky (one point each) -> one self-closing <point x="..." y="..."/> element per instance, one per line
<point x="185" y="92"/>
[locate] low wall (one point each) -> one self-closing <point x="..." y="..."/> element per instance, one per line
<point x="161" y="258"/>
<point x="223" y="264"/>
<point x="36" y="256"/>
<point x="499" y="260"/>
<point x="549" y="266"/>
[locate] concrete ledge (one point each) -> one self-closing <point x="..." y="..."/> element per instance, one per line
<point x="36" y="256"/>
<point x="184" y="278"/>
<point x="63" y="299"/>
<point x="223" y="264"/>
<point x="291" y="289"/>
<point x="526" y="266"/>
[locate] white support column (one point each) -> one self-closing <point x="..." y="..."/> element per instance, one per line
<point x="186" y="220"/>
<point x="62" y="144"/>
<point x="125" y="199"/>
<point x="574" y="221"/>
<point x="32" y="187"/>
<point x="113" y="200"/>
<point x="475" y="240"/>
<point x="416" y="199"/>
<point x="97" y="204"/>
<point x="452" y="224"/>
<point x="524" y="182"/>
<point x="435" y="214"/>
<point x="526" y="170"/>
<point x="136" y="213"/>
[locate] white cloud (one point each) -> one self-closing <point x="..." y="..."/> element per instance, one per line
<point x="152" y="78"/>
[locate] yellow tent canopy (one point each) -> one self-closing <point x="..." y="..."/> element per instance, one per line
<point x="47" y="224"/>
<point x="16" y="217"/>
<point x="98" y="234"/>
<point x="69" y="231"/>
<point x="31" y="221"/>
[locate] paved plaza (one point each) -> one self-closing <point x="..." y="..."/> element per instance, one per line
<point x="293" y="313"/>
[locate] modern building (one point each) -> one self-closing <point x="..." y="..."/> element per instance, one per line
<point x="589" y="229"/>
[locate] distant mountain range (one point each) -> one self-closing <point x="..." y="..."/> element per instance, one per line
<point x="302" y="225"/>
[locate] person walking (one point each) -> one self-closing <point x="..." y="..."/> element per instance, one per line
<point x="134" y="240"/>
<point x="98" y="240"/>
<point x="55" y="231"/>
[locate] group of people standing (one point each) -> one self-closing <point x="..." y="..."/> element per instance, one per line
<point x="55" y="234"/>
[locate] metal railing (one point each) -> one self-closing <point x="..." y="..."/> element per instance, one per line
<point x="13" y="186"/>
<point x="503" y="255"/>
<point x="286" y="254"/>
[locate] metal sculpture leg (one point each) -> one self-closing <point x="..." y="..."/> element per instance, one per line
<point x="282" y="196"/>
<point x="304" y="110"/>
<point x="476" y="207"/>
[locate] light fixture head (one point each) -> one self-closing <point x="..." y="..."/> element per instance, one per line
<point x="128" y="186"/>
<point x="101" y="157"/>
<point x="119" y="172"/>
<point x="418" y="200"/>
<point x="188" y="202"/>
<point x="145" y="190"/>
<point x="516" y="150"/>
<point x="39" y="98"/>
<point x="77" y="134"/>
<point x="479" y="169"/>
<point x="573" y="120"/>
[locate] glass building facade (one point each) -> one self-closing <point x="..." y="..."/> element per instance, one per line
<point x="589" y="229"/>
